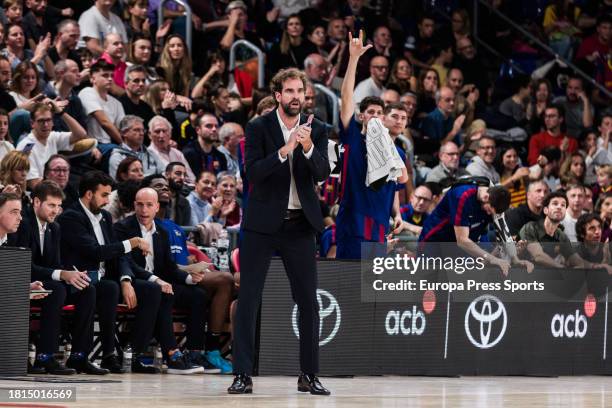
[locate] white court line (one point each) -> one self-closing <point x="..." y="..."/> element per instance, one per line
<point x="447" y="317"/>
<point x="605" y="327"/>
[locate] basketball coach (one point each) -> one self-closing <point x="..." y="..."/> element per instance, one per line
<point x="285" y="156"/>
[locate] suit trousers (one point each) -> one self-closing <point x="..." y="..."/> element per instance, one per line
<point x="295" y="242"/>
<point x="194" y="299"/>
<point x="148" y="296"/>
<point x="50" y="316"/>
<point x="107" y="295"/>
<point x="84" y="302"/>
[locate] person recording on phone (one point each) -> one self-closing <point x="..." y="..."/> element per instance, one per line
<point x="89" y="244"/>
<point x="39" y="232"/>
<point x="285" y="155"/>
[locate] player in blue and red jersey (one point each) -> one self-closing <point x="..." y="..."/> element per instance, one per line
<point x="463" y="216"/>
<point x="364" y="213"/>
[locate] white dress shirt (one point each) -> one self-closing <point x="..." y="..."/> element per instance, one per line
<point x="147" y="235"/>
<point x="95" y="222"/>
<point x="3" y="240"/>
<point x="294" y="199"/>
<point x="42" y="228"/>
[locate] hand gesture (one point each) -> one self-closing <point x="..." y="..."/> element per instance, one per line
<point x="184" y="102"/>
<point x="12" y="188"/>
<point x="233" y="17"/>
<point x="196" y="277"/>
<point x="273" y="14"/>
<point x="502" y="264"/>
<point x="217" y="203"/>
<point x="78" y="279"/>
<point x="42" y="47"/>
<point x="303" y="134"/>
<point x="521" y="173"/>
<point x="356" y="47"/>
<point x="163" y="29"/>
<point x="146" y="26"/>
<point x="169" y="101"/>
<point x="564" y="144"/>
<point x="228" y="208"/>
<point x="458" y="123"/>
<point x="129" y="295"/>
<point x="165" y="287"/>
<point x="67" y="12"/>
<point x="57" y="105"/>
<point x="140" y="243"/>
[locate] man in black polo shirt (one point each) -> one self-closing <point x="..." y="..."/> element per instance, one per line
<point x="135" y="81"/>
<point x="547" y="243"/>
<point x="532" y="211"/>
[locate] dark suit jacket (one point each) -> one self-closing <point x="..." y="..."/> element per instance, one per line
<point x="27" y="236"/>
<point x="270" y="179"/>
<point x="80" y="247"/>
<point x="164" y="265"/>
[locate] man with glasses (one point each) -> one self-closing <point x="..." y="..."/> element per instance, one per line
<point x="374" y="85"/>
<point x="482" y="163"/>
<point x="448" y="170"/>
<point x="201" y="154"/>
<point x="42" y="142"/>
<point x="132" y="131"/>
<point x="440" y="125"/>
<point x="551" y="137"/>
<point x="414" y="213"/>
<point x="135" y="87"/>
<point x="57" y="169"/>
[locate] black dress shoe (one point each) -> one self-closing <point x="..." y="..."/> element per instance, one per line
<point x="52" y="366"/>
<point x="310" y="383"/>
<point x="35" y="370"/>
<point x="139" y="367"/>
<point x="112" y="364"/>
<point x="83" y="365"/>
<point x="242" y="385"/>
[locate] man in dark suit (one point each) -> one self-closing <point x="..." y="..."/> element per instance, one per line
<point x="39" y="232"/>
<point x="89" y="244"/>
<point x="178" y="287"/>
<point x="285" y="157"/>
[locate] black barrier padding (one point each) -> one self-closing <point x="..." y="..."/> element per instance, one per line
<point x="560" y="337"/>
<point x="15" y="307"/>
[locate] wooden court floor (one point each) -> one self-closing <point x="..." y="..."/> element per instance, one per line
<point x="137" y="390"/>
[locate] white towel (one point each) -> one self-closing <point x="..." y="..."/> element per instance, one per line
<point x="384" y="162"/>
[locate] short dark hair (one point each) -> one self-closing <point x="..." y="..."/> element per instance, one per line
<point x="101" y="65"/>
<point x="47" y="188"/>
<point x="124" y="166"/>
<point x="126" y="192"/>
<point x="603" y="18"/>
<point x="559" y="108"/>
<point x="147" y="181"/>
<point x="51" y="158"/>
<point x="3" y="112"/>
<point x="499" y="198"/>
<point x="582" y="222"/>
<point x="91" y="180"/>
<point x="395" y="105"/>
<point x="553" y="195"/>
<point x="204" y="172"/>
<point x="173" y="164"/>
<point x="370" y="100"/>
<point x="6" y="197"/>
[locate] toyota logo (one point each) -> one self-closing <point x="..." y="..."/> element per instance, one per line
<point x="328" y="306"/>
<point x="486" y="310"/>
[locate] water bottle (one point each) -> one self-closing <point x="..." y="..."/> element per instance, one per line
<point x="127" y="358"/>
<point x="32" y="353"/>
<point x="67" y="351"/>
<point x="223" y="251"/>
<point x="158" y="359"/>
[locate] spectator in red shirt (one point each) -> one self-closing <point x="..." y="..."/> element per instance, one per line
<point x="552" y="136"/>
<point x="595" y="49"/>
<point x="114" y="51"/>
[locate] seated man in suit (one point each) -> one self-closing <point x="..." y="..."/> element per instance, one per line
<point x="218" y="285"/>
<point x="39" y="232"/>
<point x="178" y="287"/>
<point x="90" y="244"/>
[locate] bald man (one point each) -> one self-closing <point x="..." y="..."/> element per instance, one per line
<point x="114" y="53"/>
<point x="440" y="125"/>
<point x="174" y="286"/>
<point x="374" y="85"/>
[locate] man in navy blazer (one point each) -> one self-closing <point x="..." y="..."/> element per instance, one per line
<point x="285" y="156"/>
<point x="89" y="244"/>
<point x="39" y="232"/>
<point x="179" y="288"/>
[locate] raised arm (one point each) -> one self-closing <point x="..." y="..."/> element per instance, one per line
<point x="356" y="50"/>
